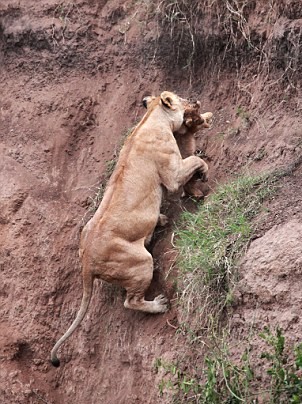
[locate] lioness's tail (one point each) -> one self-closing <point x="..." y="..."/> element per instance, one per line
<point x="87" y="292"/>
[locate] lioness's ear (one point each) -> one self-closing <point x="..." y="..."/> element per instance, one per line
<point x="145" y="102"/>
<point x="167" y="100"/>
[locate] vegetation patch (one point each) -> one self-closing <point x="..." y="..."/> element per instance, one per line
<point x="216" y="33"/>
<point x="211" y="240"/>
<point x="210" y="243"/>
<point x="225" y="381"/>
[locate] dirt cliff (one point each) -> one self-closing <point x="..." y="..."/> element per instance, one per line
<point x="72" y="78"/>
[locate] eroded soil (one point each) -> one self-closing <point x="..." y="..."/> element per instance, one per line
<point x="71" y="81"/>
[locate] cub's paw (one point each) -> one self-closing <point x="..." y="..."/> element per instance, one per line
<point x="162" y="220"/>
<point x="207" y="118"/>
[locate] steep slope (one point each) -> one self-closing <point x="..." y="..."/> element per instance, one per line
<point x="72" y="79"/>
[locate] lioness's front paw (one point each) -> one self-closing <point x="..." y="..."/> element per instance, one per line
<point x="204" y="171"/>
<point x="203" y="174"/>
<point x="162" y="303"/>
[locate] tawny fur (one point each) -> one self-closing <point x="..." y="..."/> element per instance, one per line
<point x="112" y="245"/>
<point x="186" y="142"/>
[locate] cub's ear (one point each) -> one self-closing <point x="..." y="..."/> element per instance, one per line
<point x="168" y="100"/>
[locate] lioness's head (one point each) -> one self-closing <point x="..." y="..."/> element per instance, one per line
<point x="192" y="119"/>
<point x="170" y="103"/>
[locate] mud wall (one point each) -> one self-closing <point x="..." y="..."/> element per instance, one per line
<point x="72" y="79"/>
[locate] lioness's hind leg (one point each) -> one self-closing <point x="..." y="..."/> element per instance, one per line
<point x="137" y="286"/>
<point x="158" y="305"/>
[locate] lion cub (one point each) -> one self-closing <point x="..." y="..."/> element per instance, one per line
<point x="186" y="141"/>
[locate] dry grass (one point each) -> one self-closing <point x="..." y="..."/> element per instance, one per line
<point x="220" y="35"/>
<point x="96" y="199"/>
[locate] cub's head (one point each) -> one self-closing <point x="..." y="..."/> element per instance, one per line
<point x="192" y="119"/>
<point x="173" y="106"/>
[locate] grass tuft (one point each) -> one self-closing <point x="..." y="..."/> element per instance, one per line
<point x="224" y="380"/>
<point x="210" y="242"/>
<point x="220" y="35"/>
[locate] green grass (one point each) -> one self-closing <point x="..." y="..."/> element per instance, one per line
<point x="285" y="374"/>
<point x="222" y="380"/>
<point x="210" y="242"/>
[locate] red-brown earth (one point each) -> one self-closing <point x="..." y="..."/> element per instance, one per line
<point x="72" y="79"/>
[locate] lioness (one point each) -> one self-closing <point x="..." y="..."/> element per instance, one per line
<point x="186" y="142"/>
<point x="112" y="245"/>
